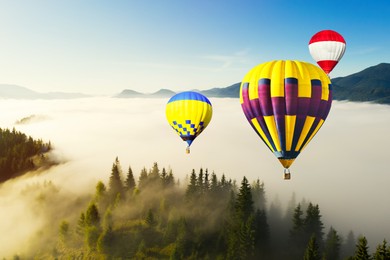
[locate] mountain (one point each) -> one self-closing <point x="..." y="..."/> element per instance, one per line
<point x="371" y="84"/>
<point x="231" y="91"/>
<point x="19" y="92"/>
<point x="162" y="93"/>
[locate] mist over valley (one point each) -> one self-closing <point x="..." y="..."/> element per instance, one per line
<point x="343" y="169"/>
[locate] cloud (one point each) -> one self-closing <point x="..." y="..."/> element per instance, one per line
<point x="229" y="61"/>
<point x="344" y="169"/>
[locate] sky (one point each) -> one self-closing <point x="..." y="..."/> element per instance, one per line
<point x="103" y="47"/>
<point x="344" y="169"/>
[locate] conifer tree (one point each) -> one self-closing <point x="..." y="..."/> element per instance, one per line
<point x="361" y="252"/>
<point x="258" y="193"/>
<point x="313" y="223"/>
<point x="214" y="182"/>
<point x="192" y="188"/>
<point x="81" y="224"/>
<point x="206" y="181"/>
<point x="92" y="217"/>
<point x="262" y="232"/>
<point x="64" y="231"/>
<point x="244" y="201"/>
<point x="130" y="181"/>
<point x="332" y="245"/>
<point x="150" y="219"/>
<point x="100" y="191"/>
<point x="241" y="237"/>
<point x="348" y="248"/>
<point x="184" y="240"/>
<point x="170" y="181"/>
<point x="143" y="179"/>
<point x="154" y="176"/>
<point x="115" y="185"/>
<point x="382" y="251"/>
<point x="297" y="239"/>
<point x="312" y="250"/>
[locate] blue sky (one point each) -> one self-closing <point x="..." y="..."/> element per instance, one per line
<point x="103" y="47"/>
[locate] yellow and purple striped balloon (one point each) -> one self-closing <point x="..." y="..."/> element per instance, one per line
<point x="286" y="102"/>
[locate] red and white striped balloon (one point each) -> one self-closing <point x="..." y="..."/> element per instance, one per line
<point x="327" y="47"/>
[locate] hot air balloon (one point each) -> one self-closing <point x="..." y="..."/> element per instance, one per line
<point x="189" y="113"/>
<point x="286" y="103"/>
<point x="327" y="47"/>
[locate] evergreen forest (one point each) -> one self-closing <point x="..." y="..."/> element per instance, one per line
<point x="207" y="217"/>
<point x="20" y="153"/>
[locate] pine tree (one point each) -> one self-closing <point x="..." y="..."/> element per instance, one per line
<point x="348" y="248"/>
<point x="214" y="183"/>
<point x="130" y="181"/>
<point x="312" y="250"/>
<point x="143" y="179"/>
<point x="200" y="182"/>
<point x="258" y="193"/>
<point x="241" y="233"/>
<point x="361" y="252"/>
<point x="64" y="231"/>
<point x="150" y="219"/>
<point x="382" y="251"/>
<point x="244" y="201"/>
<point x="100" y="191"/>
<point x="81" y="224"/>
<point x="262" y="232"/>
<point x="170" y="181"/>
<point x="313" y="223"/>
<point x="154" y="176"/>
<point x="332" y="245"/>
<point x="92" y="217"/>
<point x="115" y="185"/>
<point x="192" y="188"/>
<point x="206" y="181"/>
<point x="297" y="239"/>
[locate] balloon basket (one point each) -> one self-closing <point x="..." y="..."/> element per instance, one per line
<point x="187" y="150"/>
<point x="287" y="174"/>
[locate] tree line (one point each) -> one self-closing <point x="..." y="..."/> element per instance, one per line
<point x="209" y="217"/>
<point x="19" y="153"/>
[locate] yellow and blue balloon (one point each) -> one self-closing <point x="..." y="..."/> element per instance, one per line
<point x="189" y="113"/>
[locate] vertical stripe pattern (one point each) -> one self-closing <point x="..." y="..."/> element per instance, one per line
<point x="286" y="103"/>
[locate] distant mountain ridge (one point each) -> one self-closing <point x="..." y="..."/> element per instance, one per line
<point x="162" y="93"/>
<point x="19" y="92"/>
<point x="369" y="85"/>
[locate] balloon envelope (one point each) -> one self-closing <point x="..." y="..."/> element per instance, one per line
<point x="327" y="47"/>
<point x="188" y="113"/>
<point x="286" y="103"/>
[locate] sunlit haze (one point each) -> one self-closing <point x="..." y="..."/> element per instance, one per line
<point x="343" y="169"/>
<point x="103" y="47"/>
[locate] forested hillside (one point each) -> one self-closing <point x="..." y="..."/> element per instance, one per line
<point x="209" y="217"/>
<point x="20" y="153"/>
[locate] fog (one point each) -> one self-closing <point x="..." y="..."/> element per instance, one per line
<point x="344" y="168"/>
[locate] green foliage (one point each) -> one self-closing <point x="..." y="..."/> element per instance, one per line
<point x="92" y="217"/>
<point x="332" y="245"/>
<point x="208" y="218"/>
<point x="115" y="184"/>
<point x="20" y="153"/>
<point x="130" y="181"/>
<point x="382" y="251"/>
<point x="312" y="251"/>
<point x="361" y="252"/>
